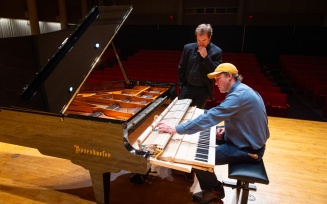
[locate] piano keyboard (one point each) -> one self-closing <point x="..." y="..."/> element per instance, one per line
<point x="197" y="150"/>
<point x="173" y="116"/>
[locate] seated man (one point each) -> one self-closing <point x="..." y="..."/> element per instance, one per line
<point x="245" y="134"/>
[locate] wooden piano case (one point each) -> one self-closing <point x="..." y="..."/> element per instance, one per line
<point x="61" y="115"/>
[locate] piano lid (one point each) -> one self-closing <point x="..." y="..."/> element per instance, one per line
<point x="63" y="75"/>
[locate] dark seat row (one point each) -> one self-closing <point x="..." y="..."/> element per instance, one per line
<point x="308" y="77"/>
<point x="165" y="70"/>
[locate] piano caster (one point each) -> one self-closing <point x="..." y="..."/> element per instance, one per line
<point x="139" y="178"/>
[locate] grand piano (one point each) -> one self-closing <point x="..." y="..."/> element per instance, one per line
<point x="52" y="107"/>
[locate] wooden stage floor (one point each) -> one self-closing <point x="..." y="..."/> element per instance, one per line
<point x="295" y="160"/>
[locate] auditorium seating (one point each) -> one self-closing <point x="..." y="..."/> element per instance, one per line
<point x="265" y="97"/>
<point x="308" y="77"/>
<point x="253" y="77"/>
<point x="324" y="110"/>
<point x="162" y="65"/>
<point x="246" y="61"/>
<point x="217" y="98"/>
<point x="272" y="89"/>
<point x="148" y="65"/>
<point x="309" y="86"/>
<point x="153" y="65"/>
<point x="297" y="68"/>
<point x="319" y="96"/>
<point x="257" y="87"/>
<point x="108" y="57"/>
<point x="277" y="104"/>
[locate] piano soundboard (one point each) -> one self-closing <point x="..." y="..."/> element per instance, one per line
<point x="180" y="152"/>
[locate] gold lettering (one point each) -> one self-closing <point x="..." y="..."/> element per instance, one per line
<point x="79" y="150"/>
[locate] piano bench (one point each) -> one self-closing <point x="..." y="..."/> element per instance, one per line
<point x="246" y="173"/>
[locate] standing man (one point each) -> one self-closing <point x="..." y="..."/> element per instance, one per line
<point x="198" y="60"/>
<point x="245" y="134"/>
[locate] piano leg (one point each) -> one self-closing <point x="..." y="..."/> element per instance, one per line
<point x="101" y="186"/>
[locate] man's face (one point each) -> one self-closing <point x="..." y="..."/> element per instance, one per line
<point x="203" y="40"/>
<point x="223" y="82"/>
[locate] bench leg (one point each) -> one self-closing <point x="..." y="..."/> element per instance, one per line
<point x="238" y="190"/>
<point x="233" y="184"/>
<point x="241" y="185"/>
<point x="245" y="193"/>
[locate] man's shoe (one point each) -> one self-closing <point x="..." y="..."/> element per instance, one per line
<point x="197" y="197"/>
<point x="207" y="196"/>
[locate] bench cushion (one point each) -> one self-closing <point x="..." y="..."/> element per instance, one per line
<point x="250" y="172"/>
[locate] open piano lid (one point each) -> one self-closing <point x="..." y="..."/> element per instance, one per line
<point x="58" y="82"/>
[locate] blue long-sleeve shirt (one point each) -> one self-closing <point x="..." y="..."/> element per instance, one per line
<point x="244" y="115"/>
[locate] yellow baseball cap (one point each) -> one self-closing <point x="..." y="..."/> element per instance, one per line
<point x="223" y="67"/>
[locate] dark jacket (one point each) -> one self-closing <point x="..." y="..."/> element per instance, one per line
<point x="207" y="64"/>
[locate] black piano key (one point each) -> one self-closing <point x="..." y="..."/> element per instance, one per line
<point x="204" y="137"/>
<point x="203" y="151"/>
<point x="204" y="142"/>
<point x="203" y="160"/>
<point x="201" y="156"/>
<point x="204" y="154"/>
<point x="205" y="134"/>
<point x="205" y="146"/>
<point x="202" y="146"/>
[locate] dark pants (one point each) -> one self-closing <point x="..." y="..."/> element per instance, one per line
<point x="198" y="94"/>
<point x="225" y="154"/>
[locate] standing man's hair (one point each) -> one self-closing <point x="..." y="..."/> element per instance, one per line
<point x="202" y="29"/>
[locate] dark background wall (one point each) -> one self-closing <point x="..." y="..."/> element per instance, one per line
<point x="264" y="27"/>
<point x="184" y="12"/>
<point x="267" y="42"/>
